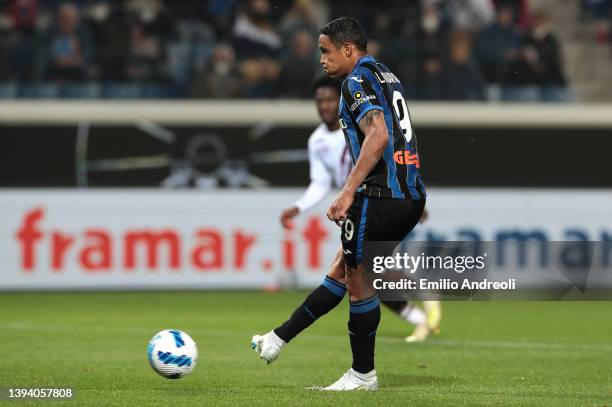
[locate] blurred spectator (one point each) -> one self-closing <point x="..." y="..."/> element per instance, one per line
<point x="299" y="67"/>
<point x="382" y="28"/>
<point x="145" y="55"/>
<point x="461" y="78"/>
<point x="497" y="45"/>
<point x="430" y="79"/>
<point x="220" y="78"/>
<point x="304" y="15"/>
<point x="23" y="14"/>
<point x="220" y="14"/>
<point x="520" y="83"/>
<point x="254" y="36"/>
<point x="68" y="47"/>
<point x="146" y="59"/>
<point x="471" y="15"/>
<point x="18" y="46"/>
<point x="111" y="34"/>
<point x="520" y="9"/>
<point x="433" y="33"/>
<point x="154" y="17"/>
<point x="401" y="54"/>
<point x="547" y="62"/>
<point x="258" y="47"/>
<point x="431" y="43"/>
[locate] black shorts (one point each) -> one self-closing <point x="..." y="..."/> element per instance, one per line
<point x="377" y="220"/>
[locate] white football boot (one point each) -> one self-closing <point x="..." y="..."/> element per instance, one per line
<point x="268" y="346"/>
<point x="353" y="380"/>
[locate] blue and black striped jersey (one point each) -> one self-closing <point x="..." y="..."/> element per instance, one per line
<point x="371" y="85"/>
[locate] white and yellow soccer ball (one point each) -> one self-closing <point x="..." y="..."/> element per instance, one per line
<point x="172" y="353"/>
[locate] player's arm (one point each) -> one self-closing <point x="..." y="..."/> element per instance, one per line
<point x="376" y="138"/>
<point x="373" y="126"/>
<point x="320" y="184"/>
<point x="315" y="192"/>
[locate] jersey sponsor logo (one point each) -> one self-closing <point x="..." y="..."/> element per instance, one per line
<point x="360" y="99"/>
<point x="356" y="79"/>
<point x="405" y="157"/>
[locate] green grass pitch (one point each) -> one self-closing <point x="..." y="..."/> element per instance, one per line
<point x="488" y="354"/>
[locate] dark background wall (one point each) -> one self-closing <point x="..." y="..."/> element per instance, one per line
<point x="45" y="156"/>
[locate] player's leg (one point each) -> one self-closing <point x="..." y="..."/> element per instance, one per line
<point x="318" y="303"/>
<point x="369" y="220"/>
<point x="408" y="311"/>
<point x="433" y="310"/>
<point x="413" y="314"/>
<point x="432" y="317"/>
<point x="364" y="311"/>
<point x="364" y="317"/>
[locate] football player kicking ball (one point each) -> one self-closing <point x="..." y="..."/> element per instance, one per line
<point x="330" y="164"/>
<point x="382" y="199"/>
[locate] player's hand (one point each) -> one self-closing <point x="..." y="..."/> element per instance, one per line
<point x="287" y="216"/>
<point x="338" y="209"/>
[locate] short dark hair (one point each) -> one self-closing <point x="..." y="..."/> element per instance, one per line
<point x="326" y="82"/>
<point x="346" y="29"/>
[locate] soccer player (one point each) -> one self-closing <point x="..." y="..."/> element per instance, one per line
<point x="330" y="164"/>
<point x="383" y="197"/>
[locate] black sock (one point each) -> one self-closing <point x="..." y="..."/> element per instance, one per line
<point x="395" y="306"/>
<point x="363" y="322"/>
<point x="320" y="301"/>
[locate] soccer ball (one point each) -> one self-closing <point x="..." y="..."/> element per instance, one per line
<point x="172" y="353"/>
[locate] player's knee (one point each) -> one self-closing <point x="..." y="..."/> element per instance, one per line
<point x="357" y="285"/>
<point x="352" y="284"/>
<point x="337" y="271"/>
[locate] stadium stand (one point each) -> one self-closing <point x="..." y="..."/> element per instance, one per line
<point x="442" y="49"/>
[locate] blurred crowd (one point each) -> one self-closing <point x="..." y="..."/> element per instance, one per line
<point x="440" y="49"/>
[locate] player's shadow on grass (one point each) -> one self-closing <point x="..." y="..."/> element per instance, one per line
<point x="407" y="380"/>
